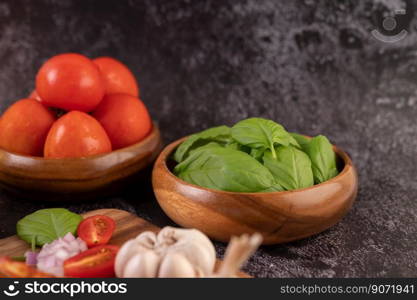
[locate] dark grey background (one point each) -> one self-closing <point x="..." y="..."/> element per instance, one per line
<point x="311" y="65"/>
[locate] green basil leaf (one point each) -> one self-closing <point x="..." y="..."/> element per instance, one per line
<point x="291" y="169"/>
<point x="220" y="134"/>
<point x="301" y="140"/>
<point x="274" y="188"/>
<point x="244" y="148"/>
<point x="46" y="225"/>
<point x="225" y="169"/>
<point x="323" y="159"/>
<point x="293" y="141"/>
<point x="207" y="146"/>
<point x="261" y="133"/>
<point x="257" y="153"/>
<point x="233" y="145"/>
<point x="237" y="146"/>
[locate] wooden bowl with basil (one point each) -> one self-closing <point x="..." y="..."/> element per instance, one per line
<point x="75" y="179"/>
<point x="255" y="177"/>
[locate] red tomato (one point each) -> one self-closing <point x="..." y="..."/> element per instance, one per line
<point x="96" y="230"/>
<point x="71" y="82"/>
<point x="125" y="119"/>
<point x="117" y="77"/>
<point x="97" y="262"/>
<point x="76" y="134"/>
<point x="35" y="95"/>
<point x="24" y="127"/>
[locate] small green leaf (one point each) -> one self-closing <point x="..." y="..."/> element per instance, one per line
<point x="291" y="169"/>
<point x="220" y="134"/>
<point x="261" y="133"/>
<point x="46" y="225"/>
<point x="323" y="159"/>
<point x="225" y="169"/>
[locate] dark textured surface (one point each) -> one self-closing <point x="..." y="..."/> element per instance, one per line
<point x="311" y="65"/>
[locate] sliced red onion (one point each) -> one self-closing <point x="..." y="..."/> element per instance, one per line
<point x="52" y="256"/>
<point x="31" y="258"/>
<point x="69" y="237"/>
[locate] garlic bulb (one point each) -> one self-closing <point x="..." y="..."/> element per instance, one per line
<point x="173" y="252"/>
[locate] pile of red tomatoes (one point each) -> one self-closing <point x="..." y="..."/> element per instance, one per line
<point x="80" y="107"/>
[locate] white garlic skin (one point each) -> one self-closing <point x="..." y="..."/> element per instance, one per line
<point x="140" y="244"/>
<point x="142" y="265"/>
<point x="193" y="245"/>
<point x="174" y="252"/>
<point x="175" y="265"/>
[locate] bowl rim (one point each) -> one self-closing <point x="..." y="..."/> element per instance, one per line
<point x="168" y="150"/>
<point x="152" y="133"/>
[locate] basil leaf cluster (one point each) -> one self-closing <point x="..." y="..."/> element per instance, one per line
<point x="255" y="155"/>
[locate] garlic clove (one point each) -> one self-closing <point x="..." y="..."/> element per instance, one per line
<point x="175" y="265"/>
<point x="142" y="242"/>
<point x="202" y="256"/>
<point x="168" y="236"/>
<point x="192" y="244"/>
<point x="144" y="264"/>
<point x="147" y="239"/>
<point x="123" y="255"/>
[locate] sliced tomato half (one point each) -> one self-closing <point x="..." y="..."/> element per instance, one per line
<point x="97" y="262"/>
<point x="96" y="230"/>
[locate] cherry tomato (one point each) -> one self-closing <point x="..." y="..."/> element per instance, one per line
<point x="71" y="82"/>
<point x="97" y="262"/>
<point x="35" y="95"/>
<point x="24" y="127"/>
<point x="117" y="77"/>
<point x="96" y="230"/>
<point x="76" y="134"/>
<point x="16" y="269"/>
<point x="125" y="119"/>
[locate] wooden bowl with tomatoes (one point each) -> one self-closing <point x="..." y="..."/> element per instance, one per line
<point x="77" y="178"/>
<point x="82" y="133"/>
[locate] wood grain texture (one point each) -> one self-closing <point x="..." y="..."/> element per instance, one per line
<point x="76" y="178"/>
<point x="279" y="216"/>
<point x="128" y="226"/>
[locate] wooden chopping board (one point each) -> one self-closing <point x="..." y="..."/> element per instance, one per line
<point x="128" y="226"/>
